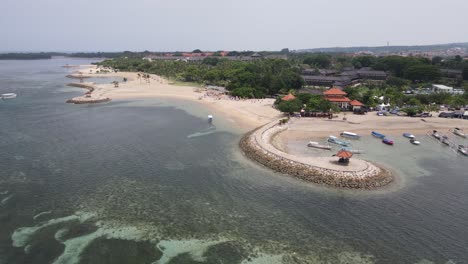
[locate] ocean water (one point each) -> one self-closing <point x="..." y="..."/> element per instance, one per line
<point x="150" y="181"/>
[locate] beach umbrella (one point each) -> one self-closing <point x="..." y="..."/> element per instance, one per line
<point x="344" y="154"/>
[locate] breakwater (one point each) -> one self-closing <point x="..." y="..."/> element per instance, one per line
<point x="360" y="174"/>
<point x="88" y="98"/>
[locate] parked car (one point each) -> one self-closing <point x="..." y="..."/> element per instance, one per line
<point x="426" y="115"/>
<point x="446" y="115"/>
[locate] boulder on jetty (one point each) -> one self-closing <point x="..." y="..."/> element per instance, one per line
<point x="256" y="145"/>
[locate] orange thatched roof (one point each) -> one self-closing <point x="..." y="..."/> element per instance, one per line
<point x="356" y="103"/>
<point x="288" y="97"/>
<point x="338" y="99"/>
<point x="344" y="154"/>
<point x="334" y="91"/>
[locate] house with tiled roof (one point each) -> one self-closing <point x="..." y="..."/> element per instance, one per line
<point x="338" y="97"/>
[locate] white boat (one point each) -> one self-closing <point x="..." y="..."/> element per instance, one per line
<point x="436" y="135"/>
<point x="408" y="135"/>
<point x="463" y="150"/>
<point x="414" y="142"/>
<point x="314" y="144"/>
<point x="459" y="132"/>
<point x="210" y="118"/>
<point x="8" y="96"/>
<point x="352" y="135"/>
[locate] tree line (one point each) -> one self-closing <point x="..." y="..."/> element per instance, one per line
<point x="248" y="79"/>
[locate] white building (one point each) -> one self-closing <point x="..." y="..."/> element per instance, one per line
<point x="442" y="88"/>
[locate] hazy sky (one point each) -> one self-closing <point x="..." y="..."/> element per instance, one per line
<point x="167" y="25"/>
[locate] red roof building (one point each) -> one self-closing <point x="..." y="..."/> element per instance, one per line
<point x="338" y="97"/>
<point x="355" y="103"/>
<point x="288" y="97"/>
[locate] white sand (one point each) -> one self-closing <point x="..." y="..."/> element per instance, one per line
<point x="247" y="114"/>
<point x="250" y="114"/>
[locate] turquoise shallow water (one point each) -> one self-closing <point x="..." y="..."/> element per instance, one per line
<point x="139" y="181"/>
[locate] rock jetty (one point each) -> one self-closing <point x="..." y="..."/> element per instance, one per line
<point x="88" y="98"/>
<point x="360" y="174"/>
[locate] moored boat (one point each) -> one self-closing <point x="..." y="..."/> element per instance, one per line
<point x="350" y="135"/>
<point x="463" y="150"/>
<point x="388" y="141"/>
<point x="8" y="96"/>
<point x="377" y="134"/>
<point x="408" y="135"/>
<point x="335" y="140"/>
<point x="314" y="144"/>
<point x="445" y="141"/>
<point x="414" y="142"/>
<point x="459" y="132"/>
<point x="436" y="135"/>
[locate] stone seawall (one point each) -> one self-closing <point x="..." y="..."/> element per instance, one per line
<point x="256" y="145"/>
<point x="88" y="98"/>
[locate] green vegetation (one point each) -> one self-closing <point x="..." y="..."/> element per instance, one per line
<point x="268" y="77"/>
<point x="253" y="79"/>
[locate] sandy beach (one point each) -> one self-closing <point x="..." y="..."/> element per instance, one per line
<point x="247" y="114"/>
<point x="301" y="129"/>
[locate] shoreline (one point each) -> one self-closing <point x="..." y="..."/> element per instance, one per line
<point x="244" y="114"/>
<point x="360" y="174"/>
<point x="256" y="115"/>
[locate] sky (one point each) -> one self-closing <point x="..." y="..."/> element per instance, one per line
<point x="185" y="25"/>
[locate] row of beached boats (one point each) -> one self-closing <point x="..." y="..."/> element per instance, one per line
<point x="445" y="140"/>
<point x="412" y="139"/>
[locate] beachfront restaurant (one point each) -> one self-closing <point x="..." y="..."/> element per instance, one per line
<point x="337" y="97"/>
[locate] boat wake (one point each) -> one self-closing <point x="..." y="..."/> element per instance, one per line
<point x="210" y="130"/>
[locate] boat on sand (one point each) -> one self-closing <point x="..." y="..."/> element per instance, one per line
<point x="317" y="145"/>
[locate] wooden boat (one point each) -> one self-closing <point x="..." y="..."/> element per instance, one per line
<point x="8" y="96"/>
<point x="414" y="141"/>
<point x="436" y="135"/>
<point x="463" y="150"/>
<point x="377" y="134"/>
<point x="335" y="140"/>
<point x="387" y="141"/>
<point x="351" y="135"/>
<point x="408" y="135"/>
<point x="459" y="132"/>
<point x="314" y="144"/>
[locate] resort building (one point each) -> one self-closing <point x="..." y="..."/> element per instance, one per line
<point x="356" y="105"/>
<point x="442" y="88"/>
<point x="337" y="97"/>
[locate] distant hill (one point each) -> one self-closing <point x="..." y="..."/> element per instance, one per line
<point x="389" y="49"/>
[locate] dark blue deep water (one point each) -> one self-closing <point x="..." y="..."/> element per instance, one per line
<point x="124" y="182"/>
